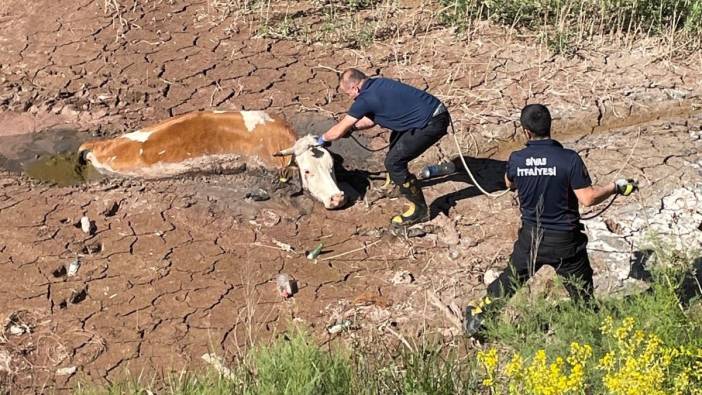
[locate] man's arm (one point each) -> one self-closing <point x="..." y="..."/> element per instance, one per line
<point x="364" y="123"/>
<point x="595" y="194"/>
<point x="340" y="129"/>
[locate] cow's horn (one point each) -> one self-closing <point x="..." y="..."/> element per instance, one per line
<point x="83" y="157"/>
<point x="285" y="152"/>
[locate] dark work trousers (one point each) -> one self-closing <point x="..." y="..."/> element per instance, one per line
<point x="565" y="251"/>
<point x="408" y="145"/>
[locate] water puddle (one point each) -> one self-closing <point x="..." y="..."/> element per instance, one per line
<point x="47" y="156"/>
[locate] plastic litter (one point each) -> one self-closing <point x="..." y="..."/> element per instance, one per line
<point x="315" y="252"/>
<point x="340" y="327"/>
<point x="286" y="285"/>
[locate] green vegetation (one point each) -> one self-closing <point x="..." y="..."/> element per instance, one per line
<point x="650" y="342"/>
<point x="654" y="16"/>
<point x="349" y="23"/>
<point x="563" y="23"/>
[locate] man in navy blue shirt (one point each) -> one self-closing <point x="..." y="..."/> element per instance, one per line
<point x="417" y="120"/>
<point x="550" y="181"/>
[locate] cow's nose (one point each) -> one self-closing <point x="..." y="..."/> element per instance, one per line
<point x="337" y="200"/>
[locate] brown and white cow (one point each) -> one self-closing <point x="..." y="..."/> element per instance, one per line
<point x="207" y="141"/>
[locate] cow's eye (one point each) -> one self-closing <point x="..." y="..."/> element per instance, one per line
<point x="307" y="172"/>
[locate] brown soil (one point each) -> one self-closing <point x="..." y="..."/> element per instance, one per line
<point x="179" y="268"/>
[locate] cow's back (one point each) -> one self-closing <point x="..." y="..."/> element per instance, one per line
<point x="195" y="142"/>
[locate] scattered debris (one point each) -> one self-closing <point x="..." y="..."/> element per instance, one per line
<point x="283" y="246"/>
<point x="86" y="225"/>
<point x="257" y="195"/>
<point x="18" y="329"/>
<point x="315" y="251"/>
<point x="73" y="268"/>
<point x="402" y="277"/>
<point x="287" y="286"/>
<point x="18" y="323"/>
<point x="67" y="371"/>
<point x="339" y="327"/>
<point x="218" y="364"/>
<point x="363" y="248"/>
<point x="270" y="218"/>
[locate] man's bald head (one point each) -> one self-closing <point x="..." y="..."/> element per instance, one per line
<point x="351" y="81"/>
<point x="352" y="76"/>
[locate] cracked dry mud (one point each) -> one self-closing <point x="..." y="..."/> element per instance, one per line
<point x="179" y="268"/>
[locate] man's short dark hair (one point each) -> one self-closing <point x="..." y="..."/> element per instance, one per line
<point x="352" y="75"/>
<point x="537" y="119"/>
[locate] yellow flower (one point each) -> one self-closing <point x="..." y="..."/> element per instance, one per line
<point x="514" y="366"/>
<point x="635" y="363"/>
<point x="607" y="325"/>
<point x="490" y="361"/>
<point x="607" y="362"/>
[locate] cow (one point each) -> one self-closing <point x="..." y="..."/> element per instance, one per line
<point x="209" y="141"/>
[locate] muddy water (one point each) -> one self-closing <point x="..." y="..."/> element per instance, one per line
<point x="47" y="156"/>
<point x="62" y="169"/>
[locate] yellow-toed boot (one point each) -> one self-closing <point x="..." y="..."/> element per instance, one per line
<point x="418" y="210"/>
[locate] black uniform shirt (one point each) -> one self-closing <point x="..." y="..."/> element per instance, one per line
<point x="394" y="105"/>
<point x="545" y="175"/>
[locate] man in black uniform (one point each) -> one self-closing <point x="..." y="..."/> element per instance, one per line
<point x="417" y="120"/>
<point x="550" y="181"/>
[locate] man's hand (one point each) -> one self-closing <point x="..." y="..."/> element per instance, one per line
<point x="626" y="186"/>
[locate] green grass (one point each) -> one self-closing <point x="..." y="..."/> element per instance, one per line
<point x="296" y="365"/>
<point x="654" y="16"/>
<point x="563" y="24"/>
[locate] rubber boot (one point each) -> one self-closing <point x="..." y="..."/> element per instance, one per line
<point x="418" y="210"/>
<point x="474" y="317"/>
<point x="389" y="189"/>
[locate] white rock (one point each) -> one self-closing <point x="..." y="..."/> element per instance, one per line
<point x="67" y="371"/>
<point x="85" y="224"/>
<point x="73" y="268"/>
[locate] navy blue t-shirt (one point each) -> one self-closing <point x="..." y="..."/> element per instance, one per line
<point x="545" y="175"/>
<point x="394" y="105"/>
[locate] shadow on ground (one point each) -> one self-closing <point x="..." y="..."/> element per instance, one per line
<point x="690" y="286"/>
<point x="489" y="173"/>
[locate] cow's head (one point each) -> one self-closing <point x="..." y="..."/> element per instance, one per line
<point x="317" y="171"/>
